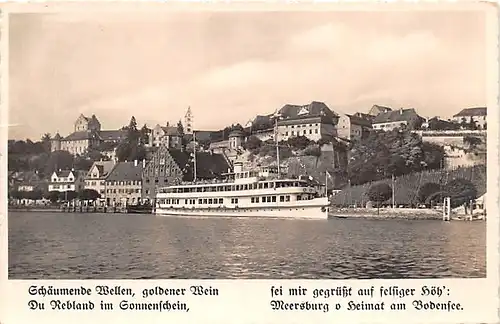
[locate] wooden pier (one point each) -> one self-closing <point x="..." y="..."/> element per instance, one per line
<point x="106" y="209"/>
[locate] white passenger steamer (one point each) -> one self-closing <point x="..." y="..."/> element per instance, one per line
<point x="241" y="193"/>
<point x="245" y="194"/>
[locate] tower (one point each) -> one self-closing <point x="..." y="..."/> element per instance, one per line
<point x="188" y="122"/>
<point x="55" y="143"/>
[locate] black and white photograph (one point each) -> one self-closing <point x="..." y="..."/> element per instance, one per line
<point x="248" y="144"/>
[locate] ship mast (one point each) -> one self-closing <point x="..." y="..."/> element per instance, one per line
<point x="277" y="143"/>
<point x="194" y="156"/>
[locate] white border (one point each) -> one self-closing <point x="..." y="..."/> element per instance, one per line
<point x="247" y="301"/>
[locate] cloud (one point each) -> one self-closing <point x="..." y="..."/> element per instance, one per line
<point x="323" y="38"/>
<point x="230" y="67"/>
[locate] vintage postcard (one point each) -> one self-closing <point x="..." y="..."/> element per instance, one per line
<point x="249" y="163"/>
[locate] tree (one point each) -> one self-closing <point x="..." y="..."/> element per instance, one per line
<point x="53" y="196"/>
<point x="89" y="194"/>
<point x="397" y="152"/>
<point x="426" y="190"/>
<point x="144" y="135"/>
<point x="472" y="141"/>
<point x="461" y="191"/>
<point x="33" y="195"/>
<point x="379" y="192"/>
<point x="436" y="196"/>
<point x="68" y="195"/>
<point x="298" y="142"/>
<point x="58" y="160"/>
<point x="253" y="143"/>
<point x="182" y="135"/>
<point x="82" y="163"/>
<point x="131" y="148"/>
<point x="46" y="142"/>
<point x="313" y="150"/>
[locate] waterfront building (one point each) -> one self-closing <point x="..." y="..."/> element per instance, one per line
<point x="96" y="176"/>
<point x="469" y="115"/>
<point x="402" y="118"/>
<point x="67" y="180"/>
<point x="169" y="166"/>
<point x="124" y="183"/>
<point x="352" y="127"/>
<point x="168" y="136"/>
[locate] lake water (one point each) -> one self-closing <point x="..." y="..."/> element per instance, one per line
<point x="128" y="246"/>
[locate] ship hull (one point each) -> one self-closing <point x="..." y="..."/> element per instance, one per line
<point x="305" y="212"/>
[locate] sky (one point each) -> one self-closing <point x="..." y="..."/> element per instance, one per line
<point x="230" y="66"/>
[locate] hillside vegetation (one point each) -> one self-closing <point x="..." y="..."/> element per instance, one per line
<point x="406" y="187"/>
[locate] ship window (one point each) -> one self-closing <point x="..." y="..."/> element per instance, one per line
<point x="274" y="198"/>
<point x="252" y="200"/>
<point x="185" y="201"/>
<point x="287" y="198"/>
<point x="221" y="200"/>
<point x="256" y="199"/>
<point x="299" y="197"/>
<point x="235" y="200"/>
<point x="246" y="187"/>
<point x="168" y="201"/>
<point x="263" y="199"/>
<point x="200" y="201"/>
<point x="233" y="188"/>
<point x="266" y="185"/>
<point x="210" y="201"/>
<point x="282" y="198"/>
<point x="260" y="185"/>
<point x="205" y="201"/>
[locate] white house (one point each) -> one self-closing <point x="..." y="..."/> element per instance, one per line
<point x="352" y="127"/>
<point x="468" y="115"/>
<point x="67" y="180"/>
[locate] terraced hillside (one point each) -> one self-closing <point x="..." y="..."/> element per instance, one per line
<point x="406" y="187"/>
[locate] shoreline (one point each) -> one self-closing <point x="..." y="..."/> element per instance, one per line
<point x="364" y="213"/>
<point x="397" y="213"/>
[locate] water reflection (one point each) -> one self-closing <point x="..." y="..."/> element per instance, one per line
<point x="81" y="246"/>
